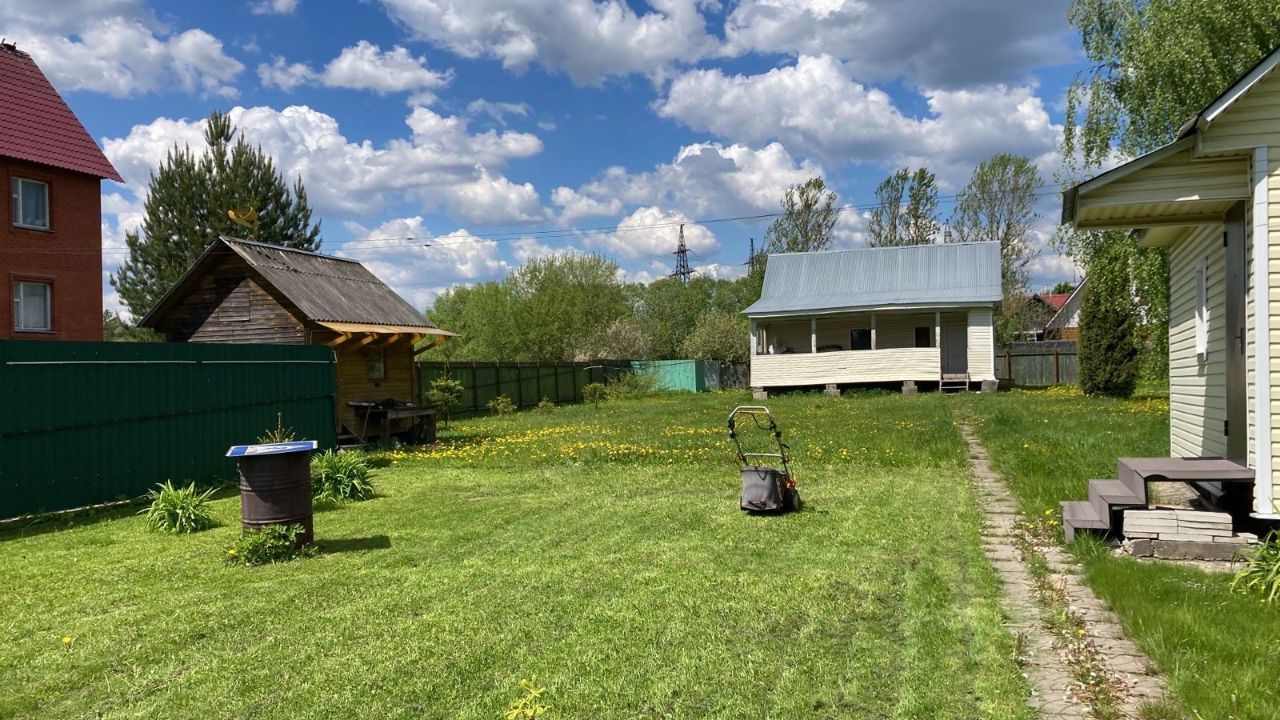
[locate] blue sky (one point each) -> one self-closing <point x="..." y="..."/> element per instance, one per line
<point x="496" y="130"/>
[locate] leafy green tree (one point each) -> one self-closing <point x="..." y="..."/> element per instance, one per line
<point x="1108" y="328"/>
<point x="116" y="329"/>
<point x="906" y="210"/>
<point x="998" y="205"/>
<point x="809" y="215"/>
<point x="623" y="339"/>
<point x="1062" y="288"/>
<point x="187" y="205"/>
<point x="445" y="393"/>
<point x="1153" y="64"/>
<point x="719" y="335"/>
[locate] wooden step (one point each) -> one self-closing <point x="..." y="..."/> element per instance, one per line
<point x="1077" y="514"/>
<point x="1106" y="495"/>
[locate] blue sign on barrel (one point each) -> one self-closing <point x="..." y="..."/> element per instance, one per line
<point x="282" y="448"/>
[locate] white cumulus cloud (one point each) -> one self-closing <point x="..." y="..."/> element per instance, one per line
<point x="363" y="66"/>
<point x="652" y="231"/>
<point x="587" y="40"/>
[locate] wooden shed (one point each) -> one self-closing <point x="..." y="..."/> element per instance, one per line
<point x="240" y="291"/>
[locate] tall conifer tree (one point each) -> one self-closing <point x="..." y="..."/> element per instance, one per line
<point x="188" y="199"/>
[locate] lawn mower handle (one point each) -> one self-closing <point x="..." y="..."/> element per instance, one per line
<point x="755" y="412"/>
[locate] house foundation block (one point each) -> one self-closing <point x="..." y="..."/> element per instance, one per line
<point x="831" y="391"/>
<point x="909" y="387"/>
<point x="759" y="393"/>
<point x="990" y="386"/>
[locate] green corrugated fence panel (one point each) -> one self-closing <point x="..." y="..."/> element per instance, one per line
<point x="678" y="375"/>
<point x="525" y="383"/>
<point x="86" y="423"/>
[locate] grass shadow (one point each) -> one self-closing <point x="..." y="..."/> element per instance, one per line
<point x="362" y="544"/>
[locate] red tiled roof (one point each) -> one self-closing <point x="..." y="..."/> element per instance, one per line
<point x="1055" y="300"/>
<point x="37" y="126"/>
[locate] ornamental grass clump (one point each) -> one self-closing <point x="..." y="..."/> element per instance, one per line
<point x="341" y="476"/>
<point x="1261" y="572"/>
<point x="270" y="544"/>
<point x="176" y="510"/>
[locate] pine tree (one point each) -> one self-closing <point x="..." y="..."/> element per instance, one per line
<point x="1108" y="327"/>
<point x="188" y="199"/>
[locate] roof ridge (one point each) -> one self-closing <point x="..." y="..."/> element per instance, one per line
<point x="888" y="247"/>
<point x="257" y="243"/>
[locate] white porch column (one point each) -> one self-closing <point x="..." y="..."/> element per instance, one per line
<point x="1263" y="491"/>
<point x="873" y="331"/>
<point x="753" y="337"/>
<point x="813" y="335"/>
<point x="937" y="329"/>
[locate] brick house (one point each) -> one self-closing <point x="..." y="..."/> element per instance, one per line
<point x="51" y="214"/>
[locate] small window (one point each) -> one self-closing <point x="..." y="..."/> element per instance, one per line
<point x="31" y="306"/>
<point x="1202" y="307"/>
<point x="860" y="339"/>
<point x="376" y="365"/>
<point x="30" y="203"/>
<point x="924" y="337"/>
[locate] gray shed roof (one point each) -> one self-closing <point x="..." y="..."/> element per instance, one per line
<point x="323" y="288"/>
<point x="949" y="274"/>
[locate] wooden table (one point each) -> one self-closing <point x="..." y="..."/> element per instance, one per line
<point x="387" y="414"/>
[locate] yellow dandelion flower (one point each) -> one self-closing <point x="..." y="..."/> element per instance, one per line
<point x="67" y="639"/>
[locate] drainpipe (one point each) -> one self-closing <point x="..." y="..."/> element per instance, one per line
<point x="1263" y="501"/>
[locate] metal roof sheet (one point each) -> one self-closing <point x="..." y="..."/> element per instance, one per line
<point x="907" y="276"/>
<point x="36" y="125"/>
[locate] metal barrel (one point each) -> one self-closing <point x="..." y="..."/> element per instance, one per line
<point x="276" y="490"/>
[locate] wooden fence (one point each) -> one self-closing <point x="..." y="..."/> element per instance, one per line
<point x="1038" y="363"/>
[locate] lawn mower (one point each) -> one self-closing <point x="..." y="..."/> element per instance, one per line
<point x="765" y="489"/>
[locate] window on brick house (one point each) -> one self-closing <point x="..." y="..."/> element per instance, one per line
<point x="30" y="202"/>
<point x="32" y="303"/>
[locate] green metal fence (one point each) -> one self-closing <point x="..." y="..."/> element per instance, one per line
<point x="86" y="423"/>
<point x="525" y="383"/>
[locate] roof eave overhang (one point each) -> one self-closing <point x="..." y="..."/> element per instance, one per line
<point x="869" y="308"/>
<point x="179" y="288"/>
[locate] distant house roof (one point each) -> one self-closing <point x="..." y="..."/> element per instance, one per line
<point x="922" y="276"/>
<point x="1069" y="312"/>
<point x="37" y="126"/>
<point x="1055" y="300"/>
<point x="324" y="289"/>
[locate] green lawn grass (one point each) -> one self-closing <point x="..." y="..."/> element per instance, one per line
<point x="600" y="550"/>
<point x="1219" y="651"/>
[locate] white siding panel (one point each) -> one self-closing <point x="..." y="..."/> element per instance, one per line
<point x="982" y="345"/>
<point x="1197" y="384"/>
<point x="850" y="366"/>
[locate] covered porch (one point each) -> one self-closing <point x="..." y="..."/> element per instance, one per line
<point x="908" y="346"/>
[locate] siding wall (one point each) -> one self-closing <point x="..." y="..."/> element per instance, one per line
<point x="354" y="383"/>
<point x="1254" y="121"/>
<point x="850" y="366"/>
<point x="1197" y="384"/>
<point x="982" y="345"/>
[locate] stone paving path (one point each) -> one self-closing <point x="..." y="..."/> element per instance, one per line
<point x="1047" y="671"/>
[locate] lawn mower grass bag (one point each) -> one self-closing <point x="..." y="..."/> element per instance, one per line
<point x="765" y="489"/>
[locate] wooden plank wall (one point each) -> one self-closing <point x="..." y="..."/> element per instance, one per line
<point x="228" y="306"/>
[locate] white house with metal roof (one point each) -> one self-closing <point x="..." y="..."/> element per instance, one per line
<point x="919" y="314"/>
<point x="1212" y="198"/>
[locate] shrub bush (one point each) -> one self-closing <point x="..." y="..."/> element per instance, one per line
<point x="178" y="510"/>
<point x="444" y="394"/>
<point x="278" y="434"/>
<point x="545" y="404"/>
<point x="1108" y="342"/>
<point x="1261" y="572"/>
<point x="594" y="393"/>
<point x="501" y="405"/>
<point x="340" y="476"/>
<point x="633" y="385"/>
<point x="271" y="544"/>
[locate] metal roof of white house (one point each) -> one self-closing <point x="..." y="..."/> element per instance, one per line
<point x="886" y="277"/>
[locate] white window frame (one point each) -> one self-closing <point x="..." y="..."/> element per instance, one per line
<point x="17" y="306"/>
<point x="15" y="194"/>
<point x="1202" y="308"/>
